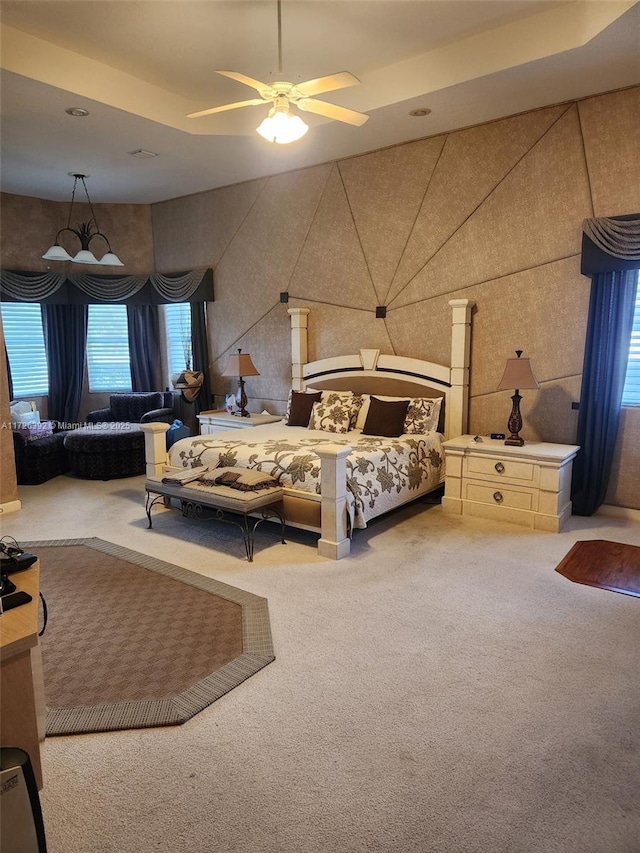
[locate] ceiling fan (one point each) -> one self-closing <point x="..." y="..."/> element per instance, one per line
<point x="281" y="125"/>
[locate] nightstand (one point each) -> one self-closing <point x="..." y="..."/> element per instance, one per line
<point x="528" y="485"/>
<point x="219" y="420"/>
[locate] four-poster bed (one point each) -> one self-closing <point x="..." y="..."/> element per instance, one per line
<point x="334" y="481"/>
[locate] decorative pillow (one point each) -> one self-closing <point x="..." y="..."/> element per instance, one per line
<point x="346" y="399"/>
<point x="362" y="411"/>
<point x="385" y="417"/>
<point x="423" y="415"/>
<point x="288" y="410"/>
<point x="300" y="410"/>
<point x="330" y="418"/>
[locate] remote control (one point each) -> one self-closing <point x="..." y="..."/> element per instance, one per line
<point x="15" y="600"/>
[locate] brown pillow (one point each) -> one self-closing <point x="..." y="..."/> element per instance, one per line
<point x="385" y="417"/>
<point x="301" y="405"/>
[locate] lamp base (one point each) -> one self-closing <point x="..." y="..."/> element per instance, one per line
<point x="514" y="441"/>
<point x="241" y="400"/>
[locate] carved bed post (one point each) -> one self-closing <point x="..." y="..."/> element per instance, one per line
<point x="299" y="353"/>
<point x="155" y="447"/>
<point x="456" y="411"/>
<point x="334" y="538"/>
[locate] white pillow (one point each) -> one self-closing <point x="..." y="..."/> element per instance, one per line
<point x="24" y="414"/>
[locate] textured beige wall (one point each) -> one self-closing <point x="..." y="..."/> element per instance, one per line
<point x="29" y="226"/>
<point x="492" y="212"/>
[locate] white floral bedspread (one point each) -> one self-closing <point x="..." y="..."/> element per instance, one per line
<point x="382" y="473"/>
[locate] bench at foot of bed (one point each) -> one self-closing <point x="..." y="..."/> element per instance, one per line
<point x="220" y="500"/>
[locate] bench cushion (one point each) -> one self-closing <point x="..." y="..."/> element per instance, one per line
<point x="223" y="497"/>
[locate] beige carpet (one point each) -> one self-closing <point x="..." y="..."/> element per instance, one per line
<point x="443" y="690"/>
<point x="133" y="641"/>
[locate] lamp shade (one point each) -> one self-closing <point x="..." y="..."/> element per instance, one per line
<point x="111" y="260"/>
<point x="84" y="256"/>
<point x="518" y="373"/>
<point x="240" y="364"/>
<point x="57" y="253"/>
<point x="282" y="127"/>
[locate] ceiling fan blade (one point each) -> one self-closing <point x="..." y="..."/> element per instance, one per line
<point x="248" y="81"/>
<point x="327" y="84"/>
<point x="251" y="103"/>
<point x="322" y="108"/>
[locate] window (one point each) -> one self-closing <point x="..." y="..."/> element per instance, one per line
<point x="108" y="348"/>
<point x="177" y="316"/>
<point x="631" y="393"/>
<point x="24" y="339"/>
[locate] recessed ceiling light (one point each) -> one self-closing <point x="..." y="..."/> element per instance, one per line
<point x="77" y="111"/>
<point x="421" y="111"/>
<point x="140" y="152"/>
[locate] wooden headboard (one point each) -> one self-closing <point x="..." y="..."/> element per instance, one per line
<point x="371" y="372"/>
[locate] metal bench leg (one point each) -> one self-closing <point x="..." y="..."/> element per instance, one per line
<point x="150" y="502"/>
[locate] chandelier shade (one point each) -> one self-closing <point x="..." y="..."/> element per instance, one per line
<point x="85" y="232"/>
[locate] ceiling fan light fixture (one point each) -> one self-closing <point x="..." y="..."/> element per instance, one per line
<point x="282" y="127"/>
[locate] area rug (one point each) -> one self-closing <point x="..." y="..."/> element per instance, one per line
<point x="134" y="642"/>
<point x="608" y="565"/>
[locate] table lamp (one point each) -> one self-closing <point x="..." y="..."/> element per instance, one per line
<point x="241" y="365"/>
<point x="517" y="374"/>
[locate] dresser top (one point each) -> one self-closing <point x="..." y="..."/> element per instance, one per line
<point x="222" y="417"/>
<point x="532" y="450"/>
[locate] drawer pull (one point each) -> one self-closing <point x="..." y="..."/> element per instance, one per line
<point x="499" y="467"/>
<point x="497" y="496"/>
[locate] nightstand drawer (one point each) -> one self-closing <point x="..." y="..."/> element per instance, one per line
<point x="505" y="496"/>
<point x="495" y="470"/>
<point x="528" y="485"/>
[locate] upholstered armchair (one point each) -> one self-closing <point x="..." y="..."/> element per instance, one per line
<point x="39" y="459"/>
<point x="136" y="408"/>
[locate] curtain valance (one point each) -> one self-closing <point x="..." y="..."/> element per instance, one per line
<point x="610" y="244"/>
<point x="86" y="288"/>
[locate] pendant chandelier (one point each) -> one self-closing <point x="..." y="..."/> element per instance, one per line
<point x="85" y="232"/>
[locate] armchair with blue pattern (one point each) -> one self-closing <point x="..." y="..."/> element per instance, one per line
<point x="136" y="408"/>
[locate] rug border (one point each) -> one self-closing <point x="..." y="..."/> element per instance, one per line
<point x="256" y="639"/>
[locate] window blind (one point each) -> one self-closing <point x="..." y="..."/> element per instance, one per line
<point x="24" y="339"/>
<point x="177" y="317"/>
<point x="108" y="361"/>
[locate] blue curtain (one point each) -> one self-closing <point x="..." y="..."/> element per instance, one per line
<point x="65" y="337"/>
<point x="9" y="379"/>
<point x="203" y="401"/>
<point x="611" y="309"/>
<point x="144" y="347"/>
